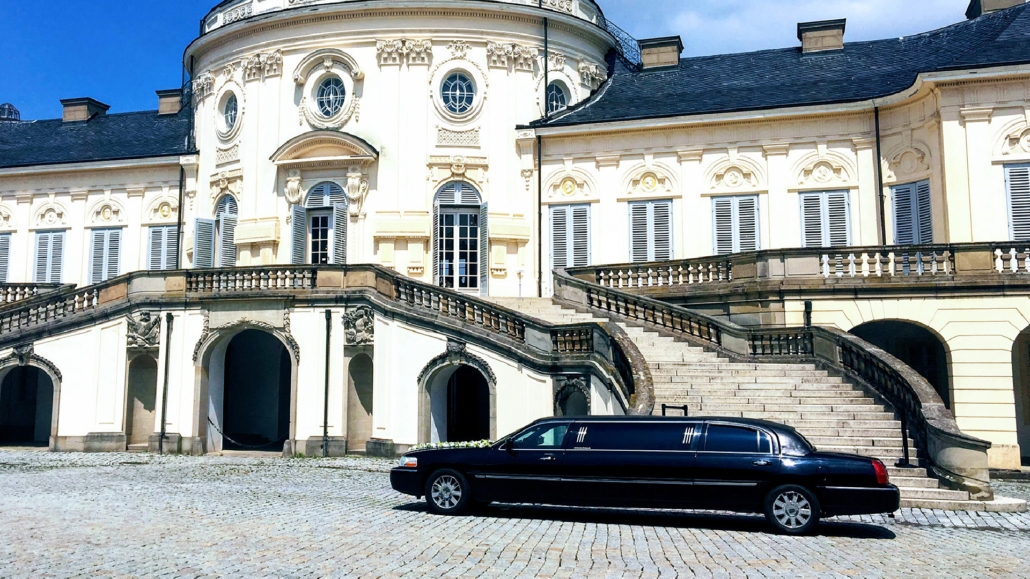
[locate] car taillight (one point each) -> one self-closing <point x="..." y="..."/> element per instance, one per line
<point x="881" y="473"/>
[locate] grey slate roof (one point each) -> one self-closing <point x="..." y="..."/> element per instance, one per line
<point x="785" y="78"/>
<point x="104" y="138"/>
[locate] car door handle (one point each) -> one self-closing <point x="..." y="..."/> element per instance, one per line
<point x="547" y="458"/>
<point x="761" y="463"/>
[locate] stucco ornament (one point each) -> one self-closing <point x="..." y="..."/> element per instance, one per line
<point x="106" y="213"/>
<point x="734" y="177"/>
<point x="203" y="86"/>
<point x="5" y="218"/>
<point x="359" y="326"/>
<point x="226" y="182"/>
<point x="459" y="49"/>
<point x="357" y="190"/>
<point x="144" y="332"/>
<point x="823" y="172"/>
<point x="911" y="161"/>
<point x="1018" y="142"/>
<point x="650" y="182"/>
<point x="592" y="75"/>
<point x="50" y="215"/>
<point x="262" y="66"/>
<point x="294" y="194"/>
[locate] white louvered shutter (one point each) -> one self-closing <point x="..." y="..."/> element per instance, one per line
<point x="1017" y="184"/>
<point x="924" y="210"/>
<point x="204" y="243"/>
<point x="484" y="250"/>
<point x="747" y="224"/>
<point x="113" y="255"/>
<point x="5" y="256"/>
<point x="42" y="257"/>
<point x="661" y="212"/>
<point x="722" y="219"/>
<point x="98" y="254"/>
<point x="904" y="217"/>
<point x="639" y="240"/>
<point x="436" y="245"/>
<point x="580" y="236"/>
<point x="227" y="240"/>
<point x="340" y="233"/>
<point x="837" y="218"/>
<point x="156" y="255"/>
<point x="560" y="236"/>
<point x="56" y="272"/>
<point x="812" y="220"/>
<point x="299" y="227"/>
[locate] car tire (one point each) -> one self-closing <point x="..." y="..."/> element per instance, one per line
<point x="448" y="492"/>
<point x="792" y="510"/>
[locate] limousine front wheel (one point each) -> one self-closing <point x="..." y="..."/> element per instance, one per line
<point x="792" y="509"/>
<point x="447" y="492"/>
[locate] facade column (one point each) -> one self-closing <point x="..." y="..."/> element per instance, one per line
<point x="23" y="244"/>
<point x="693" y="211"/>
<point x="76" y="246"/>
<point x="987" y="223"/>
<point x="134" y="243"/>
<point x="612" y="245"/>
<point x="868" y="206"/>
<point x="783" y="209"/>
<point x="956" y="179"/>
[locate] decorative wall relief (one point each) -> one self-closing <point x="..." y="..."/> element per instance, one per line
<point x="471" y="169"/>
<point x="223" y="156"/>
<point x="203" y="86"/>
<point x="1017" y="142"/>
<point x="512" y="56"/>
<point x="51" y="214"/>
<point x="592" y="75"/>
<point x="459" y="49"/>
<point x="349" y="72"/>
<point x="24" y="355"/>
<point x="389" y="51"/>
<point x="144" y="332"/>
<point x="359" y="326"/>
<point x="294" y="194"/>
<point x="6" y="218"/>
<point x="650" y="182"/>
<point x="162" y="209"/>
<point x="356" y="190"/>
<point x="227" y="182"/>
<point x="261" y="66"/>
<point x="449" y="138"/>
<point x="911" y="161"/>
<point x="106" y="211"/>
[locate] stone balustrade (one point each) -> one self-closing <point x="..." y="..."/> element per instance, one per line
<point x="11" y="293"/>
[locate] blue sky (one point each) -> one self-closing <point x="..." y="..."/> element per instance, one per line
<point x="121" y="51"/>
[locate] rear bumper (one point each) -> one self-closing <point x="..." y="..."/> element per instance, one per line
<point x="407" y="481"/>
<point x="859" y="500"/>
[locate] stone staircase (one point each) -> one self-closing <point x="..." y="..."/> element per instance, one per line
<point x="832" y="414"/>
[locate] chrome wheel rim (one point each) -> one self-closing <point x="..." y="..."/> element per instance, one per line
<point x="446" y="492"/>
<point x="792" y="510"/>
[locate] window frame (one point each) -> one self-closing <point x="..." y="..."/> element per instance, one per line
<point x="735" y="214"/>
<point x="652" y="245"/>
<point x="1009" y="205"/>
<point x="824" y="204"/>
<point x="337" y="103"/>
<point x="446" y="93"/>
<point x="916" y="211"/>
<point x="774" y="441"/>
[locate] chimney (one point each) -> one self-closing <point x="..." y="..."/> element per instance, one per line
<point x="978" y="8"/>
<point x="169" y="102"/>
<point x="821" y="36"/>
<point x="83" y="109"/>
<point x="661" y="52"/>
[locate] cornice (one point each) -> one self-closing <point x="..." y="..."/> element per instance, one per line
<point x="149" y="162"/>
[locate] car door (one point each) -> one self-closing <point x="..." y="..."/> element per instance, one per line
<point x="633" y="463"/>
<point x="527" y="468"/>
<point x="736" y="466"/>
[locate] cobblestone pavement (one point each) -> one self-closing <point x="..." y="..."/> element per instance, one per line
<point x="123" y="515"/>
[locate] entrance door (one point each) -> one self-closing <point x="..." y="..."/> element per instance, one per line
<point x="26" y="407"/>
<point x="320" y="238"/>
<point x="458" y="258"/>
<point x="468" y="406"/>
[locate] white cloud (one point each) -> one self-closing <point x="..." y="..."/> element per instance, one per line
<point x="724" y="26"/>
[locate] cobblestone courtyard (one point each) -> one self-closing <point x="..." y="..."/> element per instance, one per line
<point x="71" y="515"/>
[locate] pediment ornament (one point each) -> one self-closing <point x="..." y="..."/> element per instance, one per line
<point x="6" y="218"/>
<point x="1018" y="142"/>
<point x="106" y="213"/>
<point x="568" y="186"/>
<point x="823" y="172"/>
<point x="163" y="209"/>
<point x="734" y="177"/>
<point x="50" y="215"/>
<point x="460" y="167"/>
<point x="911" y="161"/>
<point x="650" y="182"/>
<point x="227" y="182"/>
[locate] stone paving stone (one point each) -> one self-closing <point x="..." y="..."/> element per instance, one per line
<point x="121" y="515"/>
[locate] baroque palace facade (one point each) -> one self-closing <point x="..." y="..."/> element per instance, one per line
<point x="363" y="225"/>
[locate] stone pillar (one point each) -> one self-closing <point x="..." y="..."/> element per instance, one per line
<point x="613" y="247"/>
<point x="870" y="196"/>
<point x="987" y="221"/>
<point x="783" y="208"/>
<point x="956" y="179"/>
<point x="694" y="206"/>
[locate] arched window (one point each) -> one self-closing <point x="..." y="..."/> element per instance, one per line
<point x="215" y="239"/>
<point x="557" y="98"/>
<point x="320" y="226"/>
<point x="461" y="241"/>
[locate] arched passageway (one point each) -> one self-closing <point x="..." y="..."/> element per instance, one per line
<point x="250" y="393"/>
<point x="460" y="405"/>
<point x="359" y="402"/>
<point x="26" y="407"/>
<point x="141" y="400"/>
<point x="1021" y="390"/>
<point x="914" y="345"/>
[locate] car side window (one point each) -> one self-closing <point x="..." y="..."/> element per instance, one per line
<point x="550" y="436"/>
<point x="725" y="438"/>
<point x="645" y="436"/>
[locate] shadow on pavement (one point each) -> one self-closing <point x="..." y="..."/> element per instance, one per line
<point x="677" y="519"/>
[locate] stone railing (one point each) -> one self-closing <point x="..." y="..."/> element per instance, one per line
<point x="15" y="292"/>
<point x="956" y="458"/>
<point x="251" y="279"/>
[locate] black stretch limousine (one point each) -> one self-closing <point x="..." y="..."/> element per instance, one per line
<point x="694" y="463"/>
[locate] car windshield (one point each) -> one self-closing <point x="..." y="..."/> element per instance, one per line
<point x="795" y="444"/>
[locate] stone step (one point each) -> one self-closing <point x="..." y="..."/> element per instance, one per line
<point x="784" y="411"/>
<point x="923" y="482"/>
<point x="778" y="403"/>
<point x="765" y="373"/>
<point x="933" y="494"/>
<point x="813" y="433"/>
<point x="721" y="364"/>
<point x="685" y="377"/>
<point x="1000" y="505"/>
<point x="887" y="421"/>
<point x="883" y="453"/>
<point x="897" y="472"/>
<point x="743" y="392"/>
<point x="837" y="441"/>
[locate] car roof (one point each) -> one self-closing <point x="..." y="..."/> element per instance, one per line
<point x="768" y="424"/>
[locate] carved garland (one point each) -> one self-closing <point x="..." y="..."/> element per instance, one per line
<point x="457" y="354"/>
<point x="24" y="355"/>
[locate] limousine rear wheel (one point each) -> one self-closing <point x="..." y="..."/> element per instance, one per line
<point x="447" y="492"/>
<point x="792" y="509"/>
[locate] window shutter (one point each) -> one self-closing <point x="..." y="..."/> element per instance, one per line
<point x="904" y="218"/>
<point x="839" y="229"/>
<point x="204" y="243"/>
<point x="722" y="219"/>
<point x="157" y="248"/>
<point x="171" y="247"/>
<point x="227" y="240"/>
<point x="580" y="236"/>
<point x="112" y="258"/>
<point x="560" y="237"/>
<point x="811" y="220"/>
<point x="1017" y="182"/>
<point x="662" y="227"/>
<point x="42" y="257"/>
<point x="56" y="257"/>
<point x="436" y="245"/>
<point x="638" y="233"/>
<point x="299" y="224"/>
<point x="925" y="210"/>
<point x="5" y="256"/>
<point x="99" y="252"/>
<point x="747" y="224"/>
<point x="226" y="205"/>
<point x="340" y="234"/>
<point x="484" y="250"/>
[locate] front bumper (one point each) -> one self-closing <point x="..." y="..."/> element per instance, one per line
<point x="406" y="480"/>
<point x="860" y="500"/>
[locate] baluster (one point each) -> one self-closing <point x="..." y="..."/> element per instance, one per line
<point x="826" y="265"/>
<point x="851" y="265"/>
<point x="1013" y="261"/>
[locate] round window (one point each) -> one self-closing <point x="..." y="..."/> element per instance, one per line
<point x="556" y="98"/>
<point x="458" y="92"/>
<point x="331" y="95"/>
<point x="229" y="111"/>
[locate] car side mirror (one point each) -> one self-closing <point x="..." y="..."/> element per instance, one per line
<point x="508" y="446"/>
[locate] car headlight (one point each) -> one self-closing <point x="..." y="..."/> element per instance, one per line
<point x="408" y="462"/>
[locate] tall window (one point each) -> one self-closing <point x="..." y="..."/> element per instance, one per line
<point x="913" y="219"/>
<point x="825" y="219"/>
<point x="460" y="239"/>
<point x="105" y="254"/>
<point x="735" y="224"/>
<point x="164" y="247"/>
<point x="650" y="231"/>
<point x="1017" y="186"/>
<point x="320" y="226"/>
<point x="49" y="256"/>
<point x="570" y="236"/>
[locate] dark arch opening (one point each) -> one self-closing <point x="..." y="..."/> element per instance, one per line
<point x="914" y="345"/>
<point x="1021" y="387"/>
<point x="26" y="407"/>
<point x="256" y="404"/>
<point x="141" y="401"/>
<point x="468" y="406"/>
